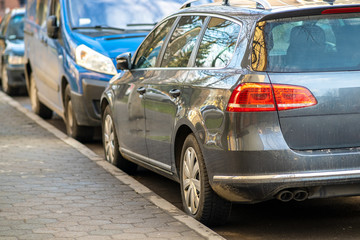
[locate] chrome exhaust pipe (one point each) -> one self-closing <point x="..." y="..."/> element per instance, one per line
<point x="285" y="196"/>
<point x="300" y="195"/>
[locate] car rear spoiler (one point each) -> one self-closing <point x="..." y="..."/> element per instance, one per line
<point x="312" y="11"/>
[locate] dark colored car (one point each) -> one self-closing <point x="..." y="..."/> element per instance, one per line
<point x="71" y="46"/>
<point x="246" y="105"/>
<point x="12" y="61"/>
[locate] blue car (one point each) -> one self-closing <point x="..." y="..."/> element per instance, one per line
<point x="71" y="48"/>
<point x="12" y="60"/>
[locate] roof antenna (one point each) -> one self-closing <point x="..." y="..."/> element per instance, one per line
<point x="226" y="3"/>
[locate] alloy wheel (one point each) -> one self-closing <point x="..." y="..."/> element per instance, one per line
<point x="70" y="117"/>
<point x="109" y="139"/>
<point x="33" y="95"/>
<point x="191" y="180"/>
<point x="4" y="80"/>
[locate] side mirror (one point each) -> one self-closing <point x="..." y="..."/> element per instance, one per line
<point x="123" y="61"/>
<point x="52" y="27"/>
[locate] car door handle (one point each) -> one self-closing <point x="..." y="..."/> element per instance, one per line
<point x="141" y="90"/>
<point x="175" y="92"/>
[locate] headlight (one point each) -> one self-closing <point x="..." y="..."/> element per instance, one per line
<point x="92" y="60"/>
<point x="16" y="60"/>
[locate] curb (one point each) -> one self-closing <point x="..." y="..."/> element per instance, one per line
<point x="120" y="175"/>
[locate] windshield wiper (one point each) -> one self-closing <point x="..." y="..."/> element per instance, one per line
<point x="99" y="27"/>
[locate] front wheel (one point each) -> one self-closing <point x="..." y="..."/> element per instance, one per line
<point x="38" y="107"/>
<point x="199" y="200"/>
<point x="73" y="129"/>
<point x="111" y="144"/>
<point x="5" y="82"/>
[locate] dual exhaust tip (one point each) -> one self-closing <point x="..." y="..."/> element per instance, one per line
<point x="288" y="195"/>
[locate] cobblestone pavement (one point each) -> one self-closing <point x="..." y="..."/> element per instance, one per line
<point x="51" y="190"/>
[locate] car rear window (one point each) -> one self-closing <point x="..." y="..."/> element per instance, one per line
<point x="303" y="44"/>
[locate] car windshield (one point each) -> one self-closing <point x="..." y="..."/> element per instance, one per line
<point x="322" y="43"/>
<point x="120" y="14"/>
<point x="16" y="27"/>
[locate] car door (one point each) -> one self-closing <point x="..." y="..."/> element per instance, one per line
<point x="130" y="101"/>
<point x="53" y="57"/>
<point x="163" y="90"/>
<point x="48" y="86"/>
<point x="129" y="117"/>
<point x="38" y="60"/>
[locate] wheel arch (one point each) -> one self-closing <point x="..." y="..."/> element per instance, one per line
<point x="103" y="104"/>
<point x="28" y="70"/>
<point x="64" y="83"/>
<point x="182" y="132"/>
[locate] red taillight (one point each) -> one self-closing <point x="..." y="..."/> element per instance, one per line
<point x="252" y="97"/>
<point x="259" y="97"/>
<point x="290" y="97"/>
<point x="341" y="10"/>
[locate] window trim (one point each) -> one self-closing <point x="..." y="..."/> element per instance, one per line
<point x="166" y="42"/>
<point x="193" y="55"/>
<point x="172" y="31"/>
<point x="162" y="47"/>
<point x="196" y="47"/>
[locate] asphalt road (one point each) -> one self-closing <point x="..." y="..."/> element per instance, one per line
<point x="336" y="218"/>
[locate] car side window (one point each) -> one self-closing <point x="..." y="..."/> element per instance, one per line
<point x="41" y="12"/>
<point x="55" y="10"/>
<point x="31" y="10"/>
<point x="182" y="41"/>
<point x="4" y="24"/>
<point x="150" y="49"/>
<point x="15" y="29"/>
<point x="218" y="43"/>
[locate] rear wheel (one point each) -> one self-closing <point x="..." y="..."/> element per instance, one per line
<point x="199" y="200"/>
<point x="5" y="82"/>
<point x="73" y="129"/>
<point x="111" y="144"/>
<point x="37" y="107"/>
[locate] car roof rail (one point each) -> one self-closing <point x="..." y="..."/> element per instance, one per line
<point x="187" y="4"/>
<point x="260" y="4"/>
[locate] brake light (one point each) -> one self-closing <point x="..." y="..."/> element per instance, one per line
<point x="259" y="97"/>
<point x="341" y="10"/>
<point x="252" y="97"/>
<point x="290" y="97"/>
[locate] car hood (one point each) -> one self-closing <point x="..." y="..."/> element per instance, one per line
<point x="110" y="45"/>
<point x="15" y="46"/>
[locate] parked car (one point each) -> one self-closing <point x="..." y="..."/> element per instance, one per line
<point x="251" y="104"/>
<point x="12" y="61"/>
<point x="71" y="47"/>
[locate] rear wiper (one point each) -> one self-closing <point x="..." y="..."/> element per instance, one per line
<point x="99" y="27"/>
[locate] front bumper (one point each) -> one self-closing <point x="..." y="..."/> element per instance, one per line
<point x="87" y="105"/>
<point x="16" y="75"/>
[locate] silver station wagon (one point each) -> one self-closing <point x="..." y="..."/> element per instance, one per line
<point x="242" y="103"/>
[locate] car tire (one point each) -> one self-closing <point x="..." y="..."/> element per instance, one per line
<point x="198" y="198"/>
<point x="111" y="144"/>
<point x="5" y="82"/>
<point x="38" y="107"/>
<point x="73" y="129"/>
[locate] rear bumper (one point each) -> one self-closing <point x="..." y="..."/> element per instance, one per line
<point x="265" y="187"/>
<point x="292" y="178"/>
<point x="252" y="162"/>
<point x="260" y="178"/>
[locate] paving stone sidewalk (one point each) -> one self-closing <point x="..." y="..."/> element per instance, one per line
<point x="50" y="190"/>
